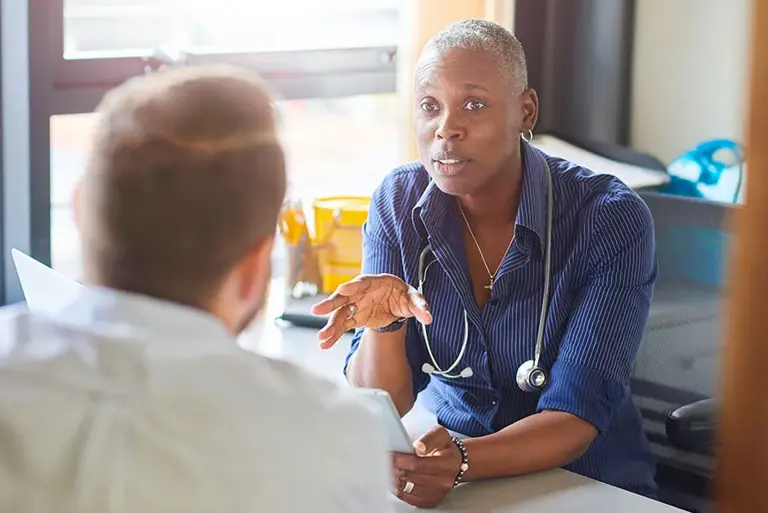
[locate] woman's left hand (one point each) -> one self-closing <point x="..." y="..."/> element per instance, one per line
<point x="432" y="470"/>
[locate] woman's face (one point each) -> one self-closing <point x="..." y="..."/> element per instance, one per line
<point x="468" y="119"/>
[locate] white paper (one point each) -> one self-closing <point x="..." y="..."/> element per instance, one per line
<point x="634" y="176"/>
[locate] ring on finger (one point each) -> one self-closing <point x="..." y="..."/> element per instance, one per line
<point x="352" y="311"/>
<point x="408" y="488"/>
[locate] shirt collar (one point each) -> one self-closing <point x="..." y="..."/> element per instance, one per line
<point x="433" y="205"/>
<point x="143" y="316"/>
<point x="531" y="213"/>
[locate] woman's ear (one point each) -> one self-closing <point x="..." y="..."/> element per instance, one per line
<point x="529" y="102"/>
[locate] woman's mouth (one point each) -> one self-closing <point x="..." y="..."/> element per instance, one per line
<point x="450" y="167"/>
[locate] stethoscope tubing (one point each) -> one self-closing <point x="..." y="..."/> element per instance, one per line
<point x="422" y="272"/>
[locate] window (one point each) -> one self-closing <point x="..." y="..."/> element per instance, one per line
<point x="332" y="64"/>
<point x="340" y="146"/>
<point x="334" y="146"/>
<point x="70" y="144"/>
<point x="304" y="48"/>
<point x="99" y="28"/>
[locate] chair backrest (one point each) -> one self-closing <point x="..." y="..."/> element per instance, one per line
<point x="679" y="359"/>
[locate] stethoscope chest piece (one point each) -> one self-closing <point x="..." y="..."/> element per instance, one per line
<point x="531" y="378"/>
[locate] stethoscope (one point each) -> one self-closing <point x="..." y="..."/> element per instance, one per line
<point x="530" y="376"/>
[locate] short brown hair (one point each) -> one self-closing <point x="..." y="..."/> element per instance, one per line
<point x="185" y="177"/>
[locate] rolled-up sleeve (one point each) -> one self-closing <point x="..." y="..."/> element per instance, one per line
<point x="590" y="378"/>
<point x="383" y="255"/>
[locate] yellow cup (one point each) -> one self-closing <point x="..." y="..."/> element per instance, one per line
<point x="339" y="235"/>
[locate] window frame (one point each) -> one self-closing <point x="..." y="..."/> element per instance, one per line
<point x="79" y="84"/>
<point x="38" y="82"/>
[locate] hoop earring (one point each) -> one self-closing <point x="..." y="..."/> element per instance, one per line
<point x="529" y="134"/>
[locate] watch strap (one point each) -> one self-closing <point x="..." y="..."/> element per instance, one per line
<point x="394" y="326"/>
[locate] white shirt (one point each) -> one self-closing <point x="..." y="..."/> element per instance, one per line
<point x="123" y="404"/>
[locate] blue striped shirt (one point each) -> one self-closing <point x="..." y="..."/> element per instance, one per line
<point x="603" y="273"/>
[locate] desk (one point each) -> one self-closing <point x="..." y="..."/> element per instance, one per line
<point x="552" y="491"/>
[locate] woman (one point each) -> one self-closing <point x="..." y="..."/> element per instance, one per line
<point x="503" y="233"/>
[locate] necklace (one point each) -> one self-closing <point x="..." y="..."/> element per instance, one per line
<point x="491" y="275"/>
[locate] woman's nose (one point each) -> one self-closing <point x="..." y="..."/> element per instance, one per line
<point x="450" y="129"/>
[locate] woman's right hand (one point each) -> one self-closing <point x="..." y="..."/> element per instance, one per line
<point x="369" y="301"/>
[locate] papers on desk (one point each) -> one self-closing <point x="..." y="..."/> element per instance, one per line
<point x="634" y="176"/>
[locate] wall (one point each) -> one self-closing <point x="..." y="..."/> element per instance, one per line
<point x="690" y="73"/>
<point x="579" y="61"/>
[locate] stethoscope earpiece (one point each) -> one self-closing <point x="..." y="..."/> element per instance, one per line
<point x="466" y="372"/>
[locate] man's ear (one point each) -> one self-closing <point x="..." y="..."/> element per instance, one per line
<point x="256" y="268"/>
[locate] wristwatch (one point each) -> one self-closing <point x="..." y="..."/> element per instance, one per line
<point x="394" y="326"/>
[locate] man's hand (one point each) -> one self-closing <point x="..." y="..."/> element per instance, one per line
<point x="432" y="470"/>
<point x="369" y="301"/>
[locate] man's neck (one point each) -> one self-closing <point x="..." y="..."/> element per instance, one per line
<point x="497" y="202"/>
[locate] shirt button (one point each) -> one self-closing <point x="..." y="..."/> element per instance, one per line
<point x="493" y="403"/>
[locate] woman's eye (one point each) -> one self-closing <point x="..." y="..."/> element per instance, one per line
<point x="428" y="107"/>
<point x="474" y="105"/>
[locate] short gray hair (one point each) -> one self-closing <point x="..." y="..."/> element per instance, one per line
<point x="486" y="36"/>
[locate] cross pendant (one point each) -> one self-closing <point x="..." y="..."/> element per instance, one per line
<point x="490" y="286"/>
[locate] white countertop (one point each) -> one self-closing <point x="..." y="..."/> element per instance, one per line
<point x="553" y="491"/>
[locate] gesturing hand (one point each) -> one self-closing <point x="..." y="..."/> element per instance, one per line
<point x="432" y="470"/>
<point x="369" y="301"/>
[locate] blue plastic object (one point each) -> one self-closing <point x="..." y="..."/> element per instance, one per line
<point x="714" y="170"/>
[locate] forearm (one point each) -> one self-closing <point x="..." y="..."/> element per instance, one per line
<point x="543" y="441"/>
<point x="381" y="362"/>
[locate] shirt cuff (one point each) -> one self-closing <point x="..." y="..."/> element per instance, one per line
<point x="584" y="393"/>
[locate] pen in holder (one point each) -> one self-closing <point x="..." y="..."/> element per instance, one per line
<point x="303" y="278"/>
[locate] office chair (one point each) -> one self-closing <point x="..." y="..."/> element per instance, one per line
<point x="692" y="426"/>
<point x="676" y="374"/>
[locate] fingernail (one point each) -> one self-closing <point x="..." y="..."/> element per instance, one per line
<point x="419" y="446"/>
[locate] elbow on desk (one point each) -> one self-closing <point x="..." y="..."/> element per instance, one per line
<point x="580" y="447"/>
<point x="578" y="438"/>
<point x="575" y="452"/>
